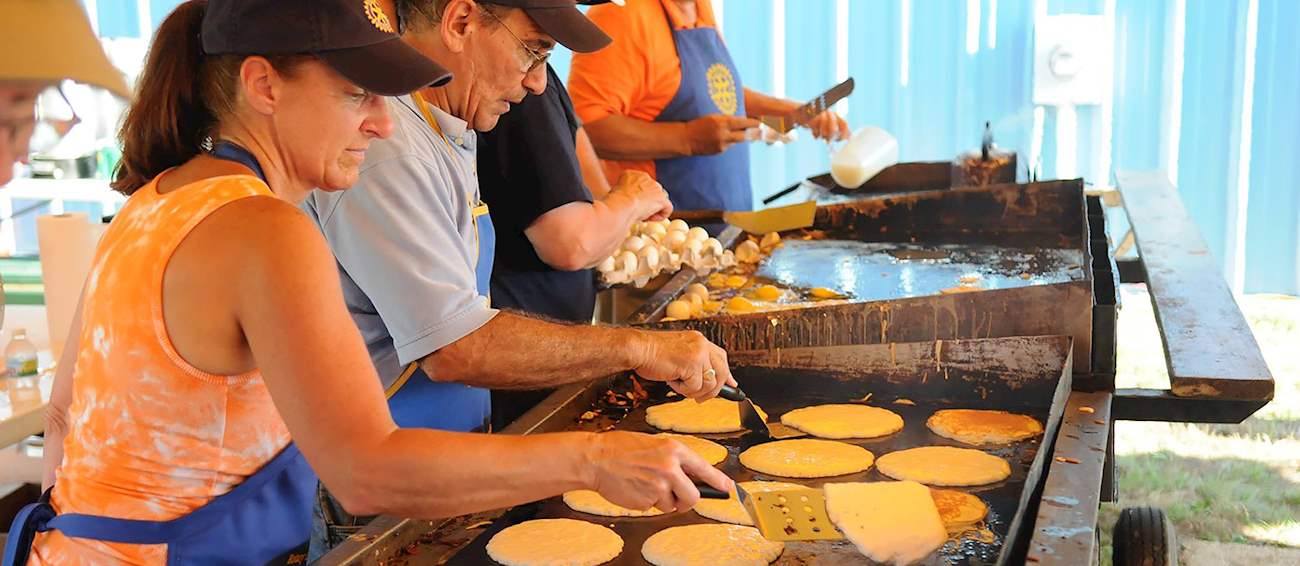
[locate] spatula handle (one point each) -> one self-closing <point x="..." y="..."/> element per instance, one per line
<point x="710" y="492"/>
<point x="732" y="394"/>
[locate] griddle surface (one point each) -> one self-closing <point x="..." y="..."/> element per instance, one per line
<point x="880" y="271"/>
<point x="771" y="389"/>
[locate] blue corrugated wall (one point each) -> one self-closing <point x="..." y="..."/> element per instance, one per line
<point x="1245" y="202"/>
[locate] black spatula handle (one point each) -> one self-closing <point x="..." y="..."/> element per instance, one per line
<point x="710" y="492"/>
<point x="732" y="393"/>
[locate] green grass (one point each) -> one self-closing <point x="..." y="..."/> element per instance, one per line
<point x="1224" y="483"/>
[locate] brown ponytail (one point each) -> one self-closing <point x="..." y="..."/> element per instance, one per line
<point x="168" y="122"/>
<point x="181" y="97"/>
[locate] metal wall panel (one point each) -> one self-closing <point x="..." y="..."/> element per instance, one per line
<point x="949" y="91"/>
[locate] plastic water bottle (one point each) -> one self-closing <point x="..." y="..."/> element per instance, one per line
<point x="21" y="372"/>
<point x="20" y="355"/>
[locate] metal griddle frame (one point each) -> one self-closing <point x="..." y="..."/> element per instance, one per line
<point x="1217" y="375"/>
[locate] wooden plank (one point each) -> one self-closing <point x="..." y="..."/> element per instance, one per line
<point x="1209" y="347"/>
<point x="1066" y="526"/>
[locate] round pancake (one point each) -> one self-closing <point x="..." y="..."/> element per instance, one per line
<point x="979" y="427"/>
<point x="958" y="509"/>
<point x="844" y="421"/>
<point x="944" y="466"/>
<point x="807" y="458"/>
<point x="730" y="510"/>
<point x="593" y="503"/>
<point x="711" y="451"/>
<point x="555" y="542"/>
<point x="710" y="545"/>
<point x="716" y="415"/>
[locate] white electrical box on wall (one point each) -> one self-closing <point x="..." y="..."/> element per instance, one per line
<point x="1073" y="60"/>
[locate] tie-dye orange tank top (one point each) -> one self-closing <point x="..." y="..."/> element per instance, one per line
<point x="151" y="437"/>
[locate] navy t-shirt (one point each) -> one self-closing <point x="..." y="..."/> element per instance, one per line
<point x="527" y="167"/>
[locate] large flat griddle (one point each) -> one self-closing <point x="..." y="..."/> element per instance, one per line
<point x="1029" y="375"/>
<point x="1028" y="244"/>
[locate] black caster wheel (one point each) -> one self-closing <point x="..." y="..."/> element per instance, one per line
<point x="1144" y="536"/>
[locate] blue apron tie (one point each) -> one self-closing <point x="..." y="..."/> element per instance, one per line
<point x="710" y="85"/>
<point x="266" y="519"/>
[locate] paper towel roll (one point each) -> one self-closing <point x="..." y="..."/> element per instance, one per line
<point x="67" y="247"/>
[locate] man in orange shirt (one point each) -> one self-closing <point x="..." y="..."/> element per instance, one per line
<point x="667" y="99"/>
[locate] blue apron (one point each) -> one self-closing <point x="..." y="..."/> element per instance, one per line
<point x="266" y="519"/>
<point x="419" y="402"/>
<point x="710" y="85"/>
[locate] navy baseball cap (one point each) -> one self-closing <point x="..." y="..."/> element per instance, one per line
<point x="356" y="38"/>
<point x="562" y="20"/>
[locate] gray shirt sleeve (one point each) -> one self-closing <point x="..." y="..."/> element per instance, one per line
<point x="395" y="234"/>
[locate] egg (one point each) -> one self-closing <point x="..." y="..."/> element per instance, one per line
<point x="654" y="229"/>
<point x="770" y="239"/>
<point x="675" y="239"/>
<point x="717" y="281"/>
<point x="712" y="306"/>
<point x="823" y="293"/>
<point x="697" y="289"/>
<point x="627" y="262"/>
<point x="606" y="265"/>
<point x="678" y="225"/>
<point x="747" y="252"/>
<point x="633" y="243"/>
<point x="737" y="281"/>
<point x="649" y="257"/>
<point x="768" y="293"/>
<point x="740" y="305"/>
<point x="679" y="309"/>
<point x="713" y="246"/>
<point x="697" y="234"/>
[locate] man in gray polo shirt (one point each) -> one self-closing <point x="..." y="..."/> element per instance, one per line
<point x="414" y="242"/>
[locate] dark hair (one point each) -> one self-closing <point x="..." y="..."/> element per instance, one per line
<point x="181" y="96"/>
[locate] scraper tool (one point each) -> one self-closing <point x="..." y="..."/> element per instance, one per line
<point x="790" y="514"/>
<point x="752" y="420"/>
<point x="749" y="417"/>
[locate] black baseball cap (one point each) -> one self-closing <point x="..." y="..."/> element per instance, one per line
<point x="356" y="38"/>
<point x="562" y="20"/>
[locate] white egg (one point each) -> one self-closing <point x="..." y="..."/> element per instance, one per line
<point x="627" y="262"/>
<point x="713" y="246"/>
<point x="653" y="228"/>
<point x="676" y="239"/>
<point x="747" y="252"/>
<point x="633" y="243"/>
<point x="697" y="234"/>
<point x="679" y="225"/>
<point x="650" y="258"/>
<point x="606" y="265"/>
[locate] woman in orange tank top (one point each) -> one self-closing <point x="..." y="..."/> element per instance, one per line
<point x="213" y="343"/>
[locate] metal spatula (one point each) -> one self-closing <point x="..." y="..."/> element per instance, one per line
<point x="789" y="514"/>
<point x="752" y="420"/>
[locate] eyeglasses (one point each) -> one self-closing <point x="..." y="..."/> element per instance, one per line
<point x="538" y="59"/>
<point x="52" y="120"/>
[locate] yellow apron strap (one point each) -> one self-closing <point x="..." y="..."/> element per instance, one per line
<point x="406" y="376"/>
